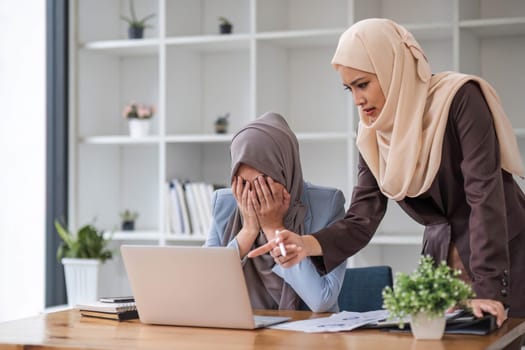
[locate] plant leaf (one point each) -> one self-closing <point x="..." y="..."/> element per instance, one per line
<point x="66" y="236"/>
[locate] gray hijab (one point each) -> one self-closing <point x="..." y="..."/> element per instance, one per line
<point x="269" y="145"/>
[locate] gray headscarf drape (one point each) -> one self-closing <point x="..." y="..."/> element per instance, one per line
<point x="269" y="145"/>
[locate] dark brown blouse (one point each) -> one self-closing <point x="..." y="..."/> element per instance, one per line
<point x="473" y="206"/>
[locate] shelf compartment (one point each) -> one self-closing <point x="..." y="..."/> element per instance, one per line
<point x="487" y="10"/>
<point x="190" y="17"/>
<point x="421" y="12"/>
<point x="112" y="179"/>
<point x="199" y="162"/>
<point x="283" y="15"/>
<point x="285" y="84"/>
<point x="429" y="31"/>
<point x="201" y="86"/>
<point x="101" y="20"/>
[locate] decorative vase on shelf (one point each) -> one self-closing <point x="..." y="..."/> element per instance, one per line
<point x="221" y="124"/>
<point x="225" y="26"/>
<point x="139" y="127"/>
<point x="425" y="326"/>
<point x="128" y="218"/>
<point x="136" y="24"/>
<point x="135" y="32"/>
<point x="128" y="225"/>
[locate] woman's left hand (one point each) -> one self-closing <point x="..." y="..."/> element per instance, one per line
<point x="271" y="202"/>
<point x="490" y="306"/>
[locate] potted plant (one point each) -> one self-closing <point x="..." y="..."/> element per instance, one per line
<point x="128" y="218"/>
<point x="221" y="124"/>
<point x="138" y="116"/>
<point x="136" y="25"/>
<point x="81" y="254"/>
<point x="424" y="296"/>
<point x="225" y="26"/>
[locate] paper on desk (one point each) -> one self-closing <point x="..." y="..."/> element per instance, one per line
<point x="342" y="321"/>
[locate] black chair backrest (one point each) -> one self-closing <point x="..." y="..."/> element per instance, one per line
<point x="362" y="288"/>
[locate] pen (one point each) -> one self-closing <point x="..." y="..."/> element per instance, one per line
<point x="281" y="245"/>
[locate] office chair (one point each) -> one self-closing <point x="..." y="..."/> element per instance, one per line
<point x="362" y="288"/>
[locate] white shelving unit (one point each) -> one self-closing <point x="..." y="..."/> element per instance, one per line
<point x="278" y="58"/>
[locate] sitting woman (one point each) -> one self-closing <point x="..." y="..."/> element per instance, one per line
<point x="268" y="194"/>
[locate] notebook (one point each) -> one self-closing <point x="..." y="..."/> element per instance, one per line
<point x="458" y="322"/>
<point x="191" y="286"/>
<point x="112" y="310"/>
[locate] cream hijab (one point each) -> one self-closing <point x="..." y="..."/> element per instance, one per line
<point x="402" y="147"/>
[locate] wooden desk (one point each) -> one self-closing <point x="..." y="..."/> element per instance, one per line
<point x="69" y="330"/>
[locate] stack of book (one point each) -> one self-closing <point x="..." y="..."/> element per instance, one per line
<point x="189" y="207"/>
<point x="114" y="310"/>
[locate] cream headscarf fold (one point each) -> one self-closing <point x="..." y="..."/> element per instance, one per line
<point x="402" y="147"/>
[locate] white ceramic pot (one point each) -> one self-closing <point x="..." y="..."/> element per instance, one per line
<point x="81" y="280"/>
<point x="424" y="326"/>
<point x="139" y="127"/>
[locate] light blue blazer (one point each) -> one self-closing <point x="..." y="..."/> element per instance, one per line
<point x="324" y="206"/>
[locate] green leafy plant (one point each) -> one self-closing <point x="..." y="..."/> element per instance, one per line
<point x="222" y="120"/>
<point x="87" y="243"/>
<point x="225" y="26"/>
<point x="134" y="21"/>
<point x="224" y="21"/>
<point x="128" y="215"/>
<point x="431" y="289"/>
<point x="221" y="124"/>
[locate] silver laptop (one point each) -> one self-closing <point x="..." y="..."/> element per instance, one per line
<point x="191" y="286"/>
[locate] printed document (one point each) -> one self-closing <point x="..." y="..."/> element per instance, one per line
<point x="342" y="321"/>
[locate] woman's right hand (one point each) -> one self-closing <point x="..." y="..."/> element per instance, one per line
<point x="250" y="228"/>
<point x="296" y="247"/>
<point x="241" y="191"/>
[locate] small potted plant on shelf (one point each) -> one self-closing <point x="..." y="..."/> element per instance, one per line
<point x="128" y="218"/>
<point x="136" y="25"/>
<point x="81" y="254"/>
<point x="225" y="26"/>
<point x="138" y="116"/>
<point x="221" y="124"/>
<point x="424" y="296"/>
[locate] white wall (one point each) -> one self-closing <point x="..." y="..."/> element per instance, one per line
<point x="22" y="157"/>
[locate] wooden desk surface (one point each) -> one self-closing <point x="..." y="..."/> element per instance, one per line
<point x="68" y="330"/>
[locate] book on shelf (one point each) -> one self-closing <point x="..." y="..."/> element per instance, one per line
<point x="188" y="206"/>
<point x="184" y="208"/>
<point x="119" y="316"/>
<point x="176" y="223"/>
<point x="192" y="208"/>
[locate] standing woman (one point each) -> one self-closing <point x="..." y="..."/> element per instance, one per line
<point x="440" y="146"/>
